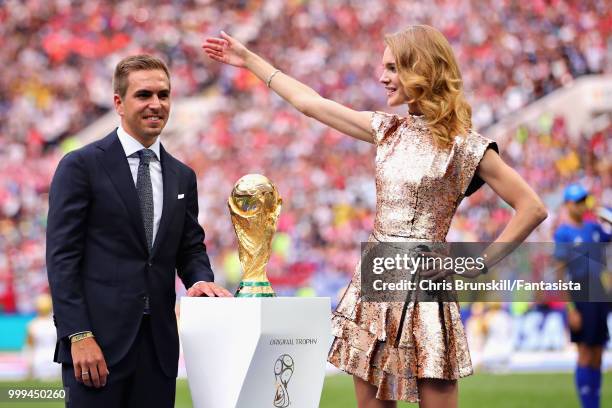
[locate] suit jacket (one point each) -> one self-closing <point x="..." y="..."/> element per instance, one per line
<point x="98" y="263"/>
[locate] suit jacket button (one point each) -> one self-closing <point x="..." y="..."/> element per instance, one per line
<point x="150" y="264"/>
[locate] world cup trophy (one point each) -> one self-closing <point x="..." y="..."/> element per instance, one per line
<point x="254" y="206"/>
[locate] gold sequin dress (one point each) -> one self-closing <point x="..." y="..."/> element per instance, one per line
<point x="418" y="189"/>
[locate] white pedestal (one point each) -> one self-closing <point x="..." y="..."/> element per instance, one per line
<point x="255" y="352"/>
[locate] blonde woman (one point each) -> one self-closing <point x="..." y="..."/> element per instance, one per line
<point x="426" y="162"/>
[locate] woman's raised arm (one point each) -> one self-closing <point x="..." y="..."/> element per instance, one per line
<point x="230" y="51"/>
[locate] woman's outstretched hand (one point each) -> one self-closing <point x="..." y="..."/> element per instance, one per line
<point x="226" y="49"/>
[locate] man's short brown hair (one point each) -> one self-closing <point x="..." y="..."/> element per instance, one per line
<point x="141" y="62"/>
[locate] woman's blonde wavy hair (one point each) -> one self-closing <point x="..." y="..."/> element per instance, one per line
<point x="431" y="79"/>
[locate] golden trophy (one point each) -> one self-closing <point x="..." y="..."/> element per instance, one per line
<point x="254" y="207"/>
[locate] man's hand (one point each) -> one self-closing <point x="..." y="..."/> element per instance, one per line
<point x="89" y="364"/>
<point x="208" y="289"/>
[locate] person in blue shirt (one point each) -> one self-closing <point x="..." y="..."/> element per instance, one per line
<point x="579" y="246"/>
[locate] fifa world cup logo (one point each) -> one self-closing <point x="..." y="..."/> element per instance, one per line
<point x="254" y="207"/>
<point x="283" y="370"/>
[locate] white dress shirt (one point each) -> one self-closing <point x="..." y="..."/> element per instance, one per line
<point x="131" y="147"/>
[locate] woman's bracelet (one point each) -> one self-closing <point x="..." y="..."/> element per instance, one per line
<point x="485" y="269"/>
<point x="276" y="71"/>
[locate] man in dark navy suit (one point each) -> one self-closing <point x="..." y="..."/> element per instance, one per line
<point x="123" y="217"/>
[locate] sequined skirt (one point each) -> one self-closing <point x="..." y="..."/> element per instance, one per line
<point x="373" y="342"/>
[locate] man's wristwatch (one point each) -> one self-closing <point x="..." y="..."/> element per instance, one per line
<point x="81" y="336"/>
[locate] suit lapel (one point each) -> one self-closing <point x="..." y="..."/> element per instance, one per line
<point x="116" y="166"/>
<point x="171" y="186"/>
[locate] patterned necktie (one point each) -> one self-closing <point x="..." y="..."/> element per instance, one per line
<point x="145" y="192"/>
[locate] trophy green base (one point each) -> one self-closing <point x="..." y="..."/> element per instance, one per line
<point x="254" y="289"/>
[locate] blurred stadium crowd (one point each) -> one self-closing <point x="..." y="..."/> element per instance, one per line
<point x="58" y="57"/>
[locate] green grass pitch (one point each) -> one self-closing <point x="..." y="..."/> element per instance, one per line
<point x="477" y="391"/>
